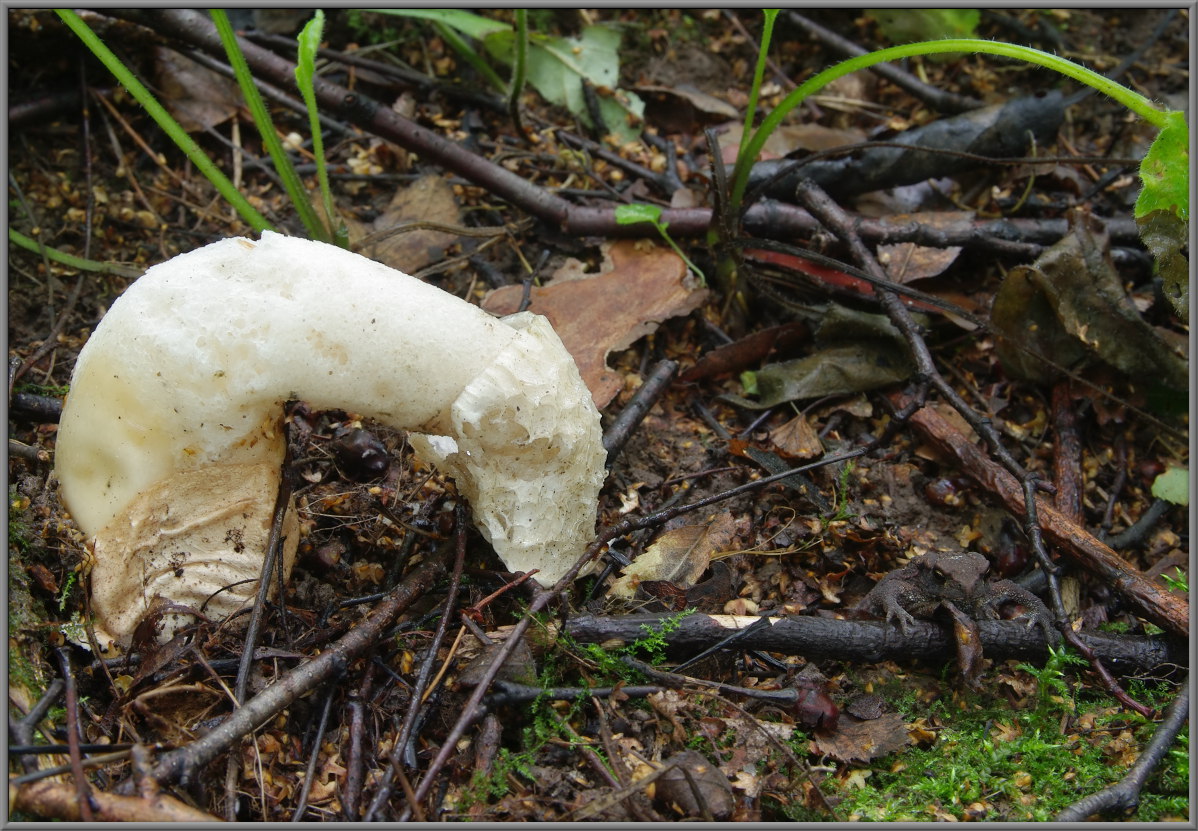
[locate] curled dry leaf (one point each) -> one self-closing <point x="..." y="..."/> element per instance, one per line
<point x="862" y="741"/>
<point x="639" y="285"/>
<point x="1071" y="303"/>
<point x="797" y="439"/>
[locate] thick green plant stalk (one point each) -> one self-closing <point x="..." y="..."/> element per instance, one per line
<point x="749" y="151"/>
<point x="305" y="73"/>
<point x="164" y="120"/>
<point x="266" y="128"/>
<point x="17" y="238"/>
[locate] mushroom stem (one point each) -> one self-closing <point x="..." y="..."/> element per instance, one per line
<point x="176" y="400"/>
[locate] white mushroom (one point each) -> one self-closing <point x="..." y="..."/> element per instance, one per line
<point x="169" y="445"/>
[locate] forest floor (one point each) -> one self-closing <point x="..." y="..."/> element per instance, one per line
<point x="844" y="717"/>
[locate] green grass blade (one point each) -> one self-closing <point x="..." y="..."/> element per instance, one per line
<point x="767" y="34"/>
<point x="470" y="56"/>
<point x="519" y="71"/>
<point x="270" y="137"/>
<point x="305" y="73"/>
<point x="17" y="238"/>
<point x="164" y="120"/>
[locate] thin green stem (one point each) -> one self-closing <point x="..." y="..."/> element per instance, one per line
<point x="749" y="151"/>
<point x="763" y="52"/>
<point x="305" y="74"/>
<point x="38" y="247"/>
<point x="266" y="128"/>
<point x="164" y="120"/>
<point x="519" y="71"/>
<point x="471" y="57"/>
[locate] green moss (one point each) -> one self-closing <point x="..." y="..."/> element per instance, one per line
<point x="997" y="764"/>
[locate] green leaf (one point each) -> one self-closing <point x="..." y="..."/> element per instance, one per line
<point x="1173" y="486"/>
<point x="906" y="25"/>
<point x="1165" y="171"/>
<point x="748" y="380"/>
<point x="469" y="24"/>
<point x="305" y="74"/>
<point x="854" y="352"/>
<point x="556" y="67"/>
<point x="637" y="212"/>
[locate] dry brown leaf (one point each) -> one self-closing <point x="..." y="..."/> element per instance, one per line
<point x="676" y="790"/>
<point x="864" y="740"/>
<point x="906" y="261"/>
<point x="797" y="439"/>
<point x="197" y="97"/>
<point x="428" y="199"/>
<point x="679" y="556"/>
<point x="639" y="286"/>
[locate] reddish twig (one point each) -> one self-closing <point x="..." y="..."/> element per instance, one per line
<point x="1067" y="454"/>
<point x="475" y="612"/>
<point x="1148" y="598"/>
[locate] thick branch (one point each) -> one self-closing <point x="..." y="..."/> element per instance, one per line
<point x="822" y="638"/>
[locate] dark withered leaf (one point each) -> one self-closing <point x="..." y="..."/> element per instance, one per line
<point x="1090" y="314"/>
<point x="675" y="789"/>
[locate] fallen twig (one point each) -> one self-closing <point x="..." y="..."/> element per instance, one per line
<point x="820" y="638"/>
<point x="942" y="100"/>
<point x="1012" y="237"/>
<point x="637" y="408"/>
<point x="180" y="765"/>
<point x="417" y="699"/>
<point x="1149" y="599"/>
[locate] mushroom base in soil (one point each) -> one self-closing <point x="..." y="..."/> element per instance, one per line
<point x="170" y="443"/>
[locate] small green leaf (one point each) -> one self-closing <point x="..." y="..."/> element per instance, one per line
<point x="1173" y="486"/>
<point x="637" y="212"/>
<point x="748" y="380"/>
<point x="1167" y="237"/>
<point x="1176" y="581"/>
